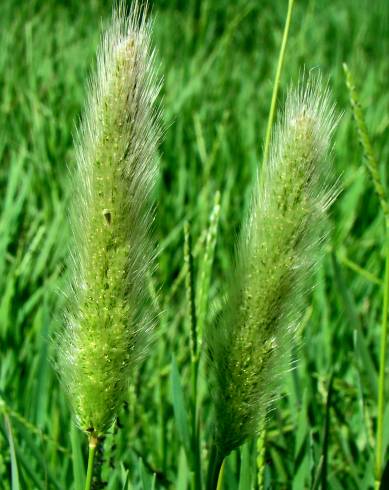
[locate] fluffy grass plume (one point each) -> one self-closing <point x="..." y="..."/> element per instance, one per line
<point x="106" y="322"/>
<point x="278" y="247"/>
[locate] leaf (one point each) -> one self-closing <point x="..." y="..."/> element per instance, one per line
<point x="77" y="459"/>
<point x="245" y="472"/>
<point x="183" y="473"/>
<point x="322" y="468"/>
<point x="189" y="288"/>
<point x="26" y="435"/>
<point x="147" y="480"/>
<point x="365" y="362"/>
<point x="180" y="412"/>
<point x="385" y="478"/>
<point x="301" y="456"/>
<point x="24" y="462"/>
<point x="14" y="464"/>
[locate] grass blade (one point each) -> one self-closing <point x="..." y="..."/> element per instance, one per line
<point x="14" y="464"/>
<point x="77" y="459"/>
<point x="180" y="412"/>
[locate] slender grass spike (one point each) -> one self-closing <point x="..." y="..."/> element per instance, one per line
<point x="107" y="323"/>
<point x="278" y="247"/>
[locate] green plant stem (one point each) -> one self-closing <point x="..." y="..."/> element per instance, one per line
<point x="93" y="441"/>
<point x="195" y="435"/>
<point x="276" y="85"/>
<point x="381" y="382"/>
<point x="372" y="165"/>
<point x="220" y="477"/>
<point x="162" y="416"/>
<point x="195" y="355"/>
<point x="215" y="469"/>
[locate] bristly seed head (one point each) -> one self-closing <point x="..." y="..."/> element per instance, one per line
<point x="107" y="324"/>
<point x="279" y="243"/>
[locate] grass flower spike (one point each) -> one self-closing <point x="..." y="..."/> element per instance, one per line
<point x="106" y="323"/>
<point x="278" y="247"/>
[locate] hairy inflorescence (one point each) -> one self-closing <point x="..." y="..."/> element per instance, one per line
<point x="107" y="324"/>
<point x="279" y="241"/>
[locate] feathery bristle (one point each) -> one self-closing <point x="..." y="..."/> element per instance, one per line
<point x="111" y="214"/>
<point x="249" y="345"/>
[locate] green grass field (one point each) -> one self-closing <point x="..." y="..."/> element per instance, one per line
<point x="218" y="58"/>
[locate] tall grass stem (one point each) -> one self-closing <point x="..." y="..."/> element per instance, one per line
<point x="381" y="380"/>
<point x="91" y="458"/>
<point x="276" y="85"/>
<point x="372" y="165"/>
<point x="221" y="477"/>
<point x="215" y="474"/>
<point x="195" y="431"/>
<point x="189" y="287"/>
<point x="191" y="301"/>
<point x="281" y="57"/>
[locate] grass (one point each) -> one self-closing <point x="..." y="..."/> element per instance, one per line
<point x="219" y="60"/>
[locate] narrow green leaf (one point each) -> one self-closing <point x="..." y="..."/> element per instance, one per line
<point x="78" y="459"/>
<point x="180" y="412"/>
<point x="326" y="436"/>
<point x="301" y="454"/>
<point x="39" y="456"/>
<point x="125" y="476"/>
<point x="385" y="477"/>
<point x="364" y="359"/>
<point x="189" y="288"/>
<point x="25" y="463"/>
<point x="245" y="468"/>
<point x="14" y="463"/>
<point x="147" y="480"/>
<point x="183" y="471"/>
<point x="43" y="372"/>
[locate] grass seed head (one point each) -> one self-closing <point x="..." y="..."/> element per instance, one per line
<point x="278" y="247"/>
<point x="107" y="325"/>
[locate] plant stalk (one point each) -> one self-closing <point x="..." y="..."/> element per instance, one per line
<point x="93" y="441"/>
<point x="381" y="381"/>
<point x="372" y="165"/>
<point x="195" y="354"/>
<point x="281" y="57"/>
<point x="276" y="85"/>
<point x="215" y="469"/>
<point x="220" y="477"/>
<point x="195" y="433"/>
